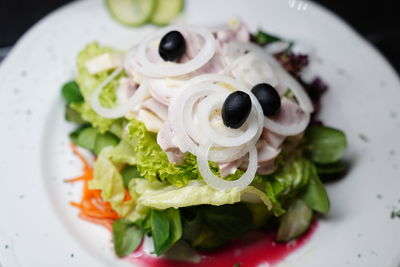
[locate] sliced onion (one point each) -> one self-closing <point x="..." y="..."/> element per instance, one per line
<point x="251" y="70"/>
<point x="208" y="105"/>
<point x="285" y="79"/>
<point x="182" y="138"/>
<point x="183" y="126"/>
<point x="141" y="63"/>
<point x="277" y="47"/>
<point x="287" y="130"/>
<point x="223" y="185"/>
<point x="122" y="109"/>
<point x="162" y="90"/>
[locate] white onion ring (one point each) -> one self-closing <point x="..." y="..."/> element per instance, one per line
<point x="183" y="140"/>
<point x="201" y="86"/>
<point x="223" y="185"/>
<point x="122" y="109"/>
<point x="286" y="80"/>
<point x="286" y="130"/>
<point x="277" y="47"/>
<point x="169" y="69"/>
<point x="252" y="70"/>
<point x="207" y="106"/>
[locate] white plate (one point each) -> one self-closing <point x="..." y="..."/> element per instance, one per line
<point x="39" y="228"/>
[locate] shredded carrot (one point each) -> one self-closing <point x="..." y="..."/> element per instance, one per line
<point x="127" y="196"/>
<point x="92" y="206"/>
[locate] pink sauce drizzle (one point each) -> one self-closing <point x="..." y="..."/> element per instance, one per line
<point x="257" y="248"/>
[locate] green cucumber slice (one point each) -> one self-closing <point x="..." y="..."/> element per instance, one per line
<point x="165" y="11"/>
<point x="131" y="12"/>
<point x="295" y="222"/>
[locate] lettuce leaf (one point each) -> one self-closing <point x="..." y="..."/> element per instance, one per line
<point x="108" y="179"/>
<point x="88" y="83"/>
<point x="123" y="153"/>
<point x="89" y="115"/>
<point x="153" y="163"/>
<point x="287" y="182"/>
<point x="157" y="195"/>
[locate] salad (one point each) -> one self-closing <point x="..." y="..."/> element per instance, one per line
<point x="200" y="136"/>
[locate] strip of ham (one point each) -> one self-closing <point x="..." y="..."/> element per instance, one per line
<point x="125" y="89"/>
<point x="156" y="107"/>
<point x="290" y="113"/>
<point x="164" y="89"/>
<point x="165" y="141"/>
<point x="228" y="168"/>
<point x="273" y="139"/>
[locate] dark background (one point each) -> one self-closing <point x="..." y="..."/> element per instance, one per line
<point x="379" y="21"/>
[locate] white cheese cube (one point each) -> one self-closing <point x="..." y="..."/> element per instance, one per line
<point x="103" y="62"/>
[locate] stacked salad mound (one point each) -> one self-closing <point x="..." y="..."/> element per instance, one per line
<point x="201" y="136"/>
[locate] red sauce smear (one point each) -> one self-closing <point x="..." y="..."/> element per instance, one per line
<point x="255" y="249"/>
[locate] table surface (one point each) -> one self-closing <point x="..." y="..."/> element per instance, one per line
<point x="377" y="22"/>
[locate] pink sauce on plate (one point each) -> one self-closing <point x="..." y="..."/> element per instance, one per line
<point x="257" y="248"/>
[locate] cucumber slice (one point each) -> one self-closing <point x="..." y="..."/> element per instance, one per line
<point x="295" y="222"/>
<point x="166" y="10"/>
<point x="131" y="12"/>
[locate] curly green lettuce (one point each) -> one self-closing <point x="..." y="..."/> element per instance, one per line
<point x="153" y="163"/>
<point x="89" y="82"/>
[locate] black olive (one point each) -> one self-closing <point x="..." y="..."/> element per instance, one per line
<point x="268" y="97"/>
<point x="236" y="109"/>
<point x="172" y="46"/>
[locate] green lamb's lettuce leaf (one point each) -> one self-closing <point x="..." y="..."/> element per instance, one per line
<point x="87" y="138"/>
<point x="104" y="140"/>
<point x="128" y="173"/>
<point x="327" y="145"/>
<point x="262" y="38"/>
<point x="315" y="195"/>
<point x="107" y="178"/>
<point x="166" y="229"/>
<point x="153" y="163"/>
<point x="72" y="93"/>
<point x="91" y="139"/>
<point x="127" y="236"/>
<point x="73" y="116"/>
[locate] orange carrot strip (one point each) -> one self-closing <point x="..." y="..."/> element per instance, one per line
<point x="92" y="207"/>
<point x="104" y="222"/>
<point x="86" y="164"/>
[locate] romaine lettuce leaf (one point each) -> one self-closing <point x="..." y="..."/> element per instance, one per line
<point x="123" y="153"/>
<point x="108" y="179"/>
<point x="158" y="195"/>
